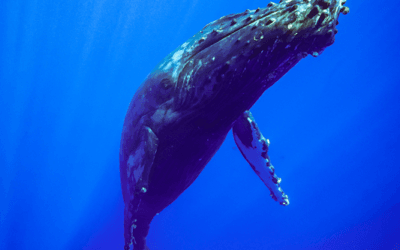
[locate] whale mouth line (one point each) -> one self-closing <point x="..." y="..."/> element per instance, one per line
<point x="230" y="33"/>
<point x="238" y="29"/>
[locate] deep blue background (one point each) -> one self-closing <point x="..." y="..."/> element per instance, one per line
<point x="68" y="70"/>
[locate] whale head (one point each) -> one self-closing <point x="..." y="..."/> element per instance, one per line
<point x="223" y="69"/>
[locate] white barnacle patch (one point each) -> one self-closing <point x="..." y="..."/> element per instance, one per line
<point x="178" y="55"/>
<point x="303" y="7"/>
<point x="186" y="80"/>
<point x="202" y="39"/>
<point x="162" y="65"/>
<point x="169" y="64"/>
<point x="256" y="156"/>
<point x="259" y="38"/>
<point x="271" y="21"/>
<point x="198" y="64"/>
<point x="175" y="62"/>
<point x="184" y="45"/>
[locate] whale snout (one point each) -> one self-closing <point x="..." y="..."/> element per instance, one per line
<point x="318" y="25"/>
<point x="327" y="11"/>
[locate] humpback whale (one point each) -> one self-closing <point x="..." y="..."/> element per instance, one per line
<point x="182" y="112"/>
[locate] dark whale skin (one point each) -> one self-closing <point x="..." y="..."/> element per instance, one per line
<point x="181" y="114"/>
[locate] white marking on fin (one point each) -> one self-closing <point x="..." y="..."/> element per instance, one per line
<point x="138" y="172"/>
<point x="135" y="162"/>
<point x="256" y="156"/>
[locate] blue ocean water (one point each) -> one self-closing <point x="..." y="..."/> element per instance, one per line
<point x="68" y="70"/>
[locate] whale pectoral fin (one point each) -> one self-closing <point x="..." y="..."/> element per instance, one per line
<point x="254" y="148"/>
<point x="141" y="160"/>
<point x="139" y="164"/>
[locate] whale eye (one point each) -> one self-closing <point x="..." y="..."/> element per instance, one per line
<point x="163" y="91"/>
<point x="166" y="83"/>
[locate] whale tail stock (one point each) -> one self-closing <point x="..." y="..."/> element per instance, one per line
<point x="136" y="230"/>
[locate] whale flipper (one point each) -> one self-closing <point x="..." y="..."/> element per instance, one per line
<point x="254" y="148"/>
<point x="137" y="170"/>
